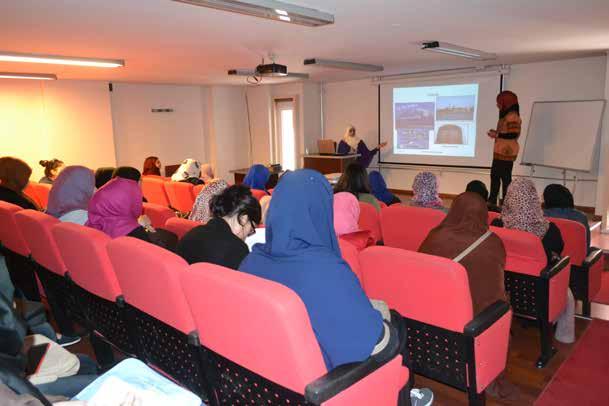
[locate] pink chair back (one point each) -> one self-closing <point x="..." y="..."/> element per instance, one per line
<point x="153" y="188"/>
<point x="407" y="227"/>
<point x="351" y="256"/>
<point x="258" y="194"/>
<point x="230" y="306"/>
<point x="10" y="234"/>
<point x="196" y="190"/>
<point x="83" y="250"/>
<point x="180" y="195"/>
<point x="158" y="214"/>
<point x="180" y="226"/>
<point x="383" y="204"/>
<point x="422" y="287"/>
<point x="574" y="237"/>
<point x="492" y="215"/>
<point x="36" y="229"/>
<point x="31" y="192"/>
<point x="369" y="220"/>
<point x="524" y="251"/>
<point x="42" y="191"/>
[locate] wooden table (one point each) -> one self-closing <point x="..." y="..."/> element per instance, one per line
<point x="329" y="163"/>
<point x="241" y="173"/>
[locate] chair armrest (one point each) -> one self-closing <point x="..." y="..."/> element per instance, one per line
<point x="486" y="318"/>
<point x="553" y="269"/>
<point x="593" y="257"/>
<point x="344" y="376"/>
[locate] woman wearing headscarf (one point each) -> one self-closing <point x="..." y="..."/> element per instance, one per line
<point x="259" y="236"/>
<point x="189" y="171"/>
<point x="201" y="210"/>
<point x="506" y="143"/>
<point x="257" y="177"/>
<point x="355" y="181"/>
<point x="425" y="191"/>
<point x="70" y="194"/>
<point x="379" y="189"/>
<point x="14" y="177"/>
<point x="352" y="144"/>
<point x="558" y="202"/>
<point x="302" y="253"/>
<point x="207" y="173"/>
<point x="127" y="172"/>
<point x="103" y="176"/>
<point x="152" y="166"/>
<point x="346" y="218"/>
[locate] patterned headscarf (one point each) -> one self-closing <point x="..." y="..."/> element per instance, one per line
<point x="522" y="208"/>
<point x="201" y="211"/>
<point x="425" y="189"/>
<point x="190" y="168"/>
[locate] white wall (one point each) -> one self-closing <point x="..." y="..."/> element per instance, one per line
<point x="355" y="102"/>
<point x="261" y="124"/>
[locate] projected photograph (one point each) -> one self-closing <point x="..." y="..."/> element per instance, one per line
<point x="414" y="115"/>
<point x="450" y="134"/>
<point x="455" y="108"/>
<point x="413" y="138"/>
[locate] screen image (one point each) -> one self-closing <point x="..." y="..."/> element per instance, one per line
<point x="435" y="120"/>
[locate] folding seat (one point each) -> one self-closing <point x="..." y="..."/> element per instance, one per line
<point x="259" y="194"/>
<point x="42" y="190"/>
<point x="407" y="227"/>
<point x="261" y="348"/>
<point x="149" y="277"/>
<point x="153" y="188"/>
<point x="17" y="253"/>
<point x="586" y="266"/>
<point x="31" y="192"/>
<point x="84" y="252"/>
<point x="196" y="190"/>
<point x="537" y="290"/>
<point x="180" y="226"/>
<point x="369" y="220"/>
<point x="180" y="196"/>
<point x="158" y="214"/>
<point x="36" y="227"/>
<point x="445" y="342"/>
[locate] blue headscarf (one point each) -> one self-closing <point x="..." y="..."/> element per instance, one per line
<point x="302" y="253"/>
<point x="257" y="177"/>
<point x="379" y="187"/>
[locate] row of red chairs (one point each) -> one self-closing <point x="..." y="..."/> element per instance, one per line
<point x="231" y="336"/>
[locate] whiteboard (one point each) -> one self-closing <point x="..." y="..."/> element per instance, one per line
<point x="563" y="134"/>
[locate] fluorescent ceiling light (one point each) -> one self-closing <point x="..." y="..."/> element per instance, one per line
<point x="60" y="60"/>
<point x="34" y="76"/>
<point x="271" y="9"/>
<point x="343" y="65"/>
<point x="456" y="50"/>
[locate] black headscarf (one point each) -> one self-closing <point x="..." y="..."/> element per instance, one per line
<point x="557" y="196"/>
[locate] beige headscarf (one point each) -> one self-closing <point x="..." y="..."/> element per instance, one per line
<point x="190" y="168"/>
<point x="207" y="173"/>
<point x="352" y="141"/>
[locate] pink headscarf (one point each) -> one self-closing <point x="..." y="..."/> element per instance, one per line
<point x="346" y="213"/>
<point x="115" y="208"/>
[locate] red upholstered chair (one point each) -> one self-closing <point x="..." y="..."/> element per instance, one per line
<point x="149" y="277"/>
<point x="383" y="205"/>
<point x="180" y="196"/>
<point x="258" y="194"/>
<point x="406" y="226"/>
<point x="257" y="335"/>
<point x="180" y="226"/>
<point x="350" y="255"/>
<point x="536" y="290"/>
<point x="158" y="214"/>
<point x="492" y="216"/>
<point x="42" y="190"/>
<point x="369" y="220"/>
<point x="445" y="341"/>
<point x="32" y="192"/>
<point x="196" y="190"/>
<point x="17" y="253"/>
<point x="153" y="188"/>
<point x="586" y="267"/>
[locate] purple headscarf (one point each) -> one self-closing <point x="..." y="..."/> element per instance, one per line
<point x="425" y="189"/>
<point x="115" y="207"/>
<point x="71" y="191"/>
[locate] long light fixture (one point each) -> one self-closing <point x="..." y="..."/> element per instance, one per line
<point x="343" y="65"/>
<point x="270" y="9"/>
<point x="60" y="60"/>
<point x="456" y="50"/>
<point x="34" y="76"/>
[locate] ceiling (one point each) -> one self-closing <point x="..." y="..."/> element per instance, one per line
<point x="163" y="41"/>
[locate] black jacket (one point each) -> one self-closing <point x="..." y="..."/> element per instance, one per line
<point x="10" y="196"/>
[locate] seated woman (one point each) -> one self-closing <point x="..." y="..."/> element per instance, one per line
<point x="201" y="210"/>
<point x="558" y="202"/>
<point x="152" y="166"/>
<point x="302" y="253"/>
<point x="70" y="194"/>
<point x="51" y="170"/>
<point x="103" y="176"/>
<point x="259" y="236"/>
<point x="127" y="172"/>
<point x="346" y="218"/>
<point x="14" y="177"/>
<point x="236" y="213"/>
<point x="352" y="144"/>
<point x="257" y="177"/>
<point x="355" y="181"/>
<point x="207" y="173"/>
<point x="522" y="211"/>
<point x="189" y="171"/>
<point x="379" y="189"/>
<point x="425" y="190"/>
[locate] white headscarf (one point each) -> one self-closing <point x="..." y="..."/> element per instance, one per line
<point x="190" y="168"/>
<point x="351" y="141"/>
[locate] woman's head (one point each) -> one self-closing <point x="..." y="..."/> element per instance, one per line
<point x="346" y="213"/>
<point x="477" y="186"/>
<point x="354" y="180"/>
<point x="127" y="172"/>
<point x="557" y="196"/>
<point x="190" y="168"/>
<point x="350" y="131"/>
<point x="238" y="208"/>
<point x="425" y="190"/>
<point x="467" y="214"/>
<point x="506" y="99"/>
<point x="72" y="190"/>
<point x="207" y="173"/>
<point x="103" y="175"/>
<point x="201" y="210"/>
<point x="152" y="166"/>
<point x="51" y="167"/>
<point x="522" y="209"/>
<point x="14" y="173"/>
<point x="257" y="177"/>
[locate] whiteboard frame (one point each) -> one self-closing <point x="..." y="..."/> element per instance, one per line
<point x="600" y="124"/>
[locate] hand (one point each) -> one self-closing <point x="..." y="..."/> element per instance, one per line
<point x="145" y="222"/>
<point x="382" y="145"/>
<point x="492" y="133"/>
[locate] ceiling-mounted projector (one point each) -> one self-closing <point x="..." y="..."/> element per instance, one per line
<point x="272" y="70"/>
